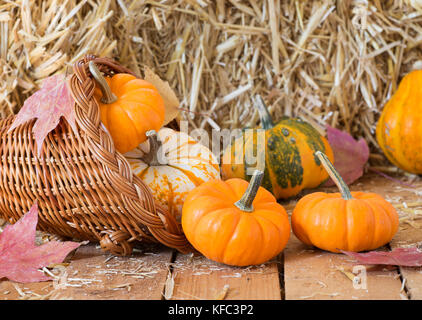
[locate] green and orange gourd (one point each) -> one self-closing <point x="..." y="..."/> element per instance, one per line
<point x="289" y="165"/>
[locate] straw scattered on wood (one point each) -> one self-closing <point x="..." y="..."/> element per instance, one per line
<point x="330" y="62"/>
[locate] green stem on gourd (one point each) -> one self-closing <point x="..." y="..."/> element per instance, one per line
<point x="245" y="203"/>
<point x="108" y="96"/>
<point x="264" y="115"/>
<point x="332" y="172"/>
<point x="151" y="158"/>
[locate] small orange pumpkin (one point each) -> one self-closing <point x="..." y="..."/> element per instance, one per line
<point x="129" y="107"/>
<point x="236" y="232"/>
<point x="349" y="221"/>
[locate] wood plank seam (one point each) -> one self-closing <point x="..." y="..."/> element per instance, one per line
<point x="196" y="277"/>
<point x="402" y="278"/>
<point x="280" y="268"/>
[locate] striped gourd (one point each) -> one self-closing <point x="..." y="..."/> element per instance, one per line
<point x="172" y="163"/>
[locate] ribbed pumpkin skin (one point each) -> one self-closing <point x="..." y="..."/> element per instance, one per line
<point x="399" y="132"/>
<point x="189" y="165"/>
<point x="290" y="163"/>
<point x="139" y="108"/>
<point x="329" y="222"/>
<point x="224" y="233"/>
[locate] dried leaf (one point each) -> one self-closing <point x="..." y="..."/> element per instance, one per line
<point x="20" y="258"/>
<point x="406" y="257"/>
<point x="350" y="156"/>
<point x="48" y="105"/>
<point x="171" y="102"/>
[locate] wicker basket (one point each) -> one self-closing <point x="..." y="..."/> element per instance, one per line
<point x="84" y="188"/>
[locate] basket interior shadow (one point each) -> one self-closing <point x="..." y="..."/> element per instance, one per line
<point x="84" y="188"/>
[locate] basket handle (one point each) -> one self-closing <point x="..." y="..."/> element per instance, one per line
<point x="134" y="193"/>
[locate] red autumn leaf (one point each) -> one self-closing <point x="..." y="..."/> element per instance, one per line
<point x="406" y="257"/>
<point x="350" y="156"/>
<point x="20" y="258"/>
<point x="48" y="105"/>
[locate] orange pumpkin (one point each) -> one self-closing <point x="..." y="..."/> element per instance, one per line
<point x="399" y="131"/>
<point x="350" y="221"/>
<point x="236" y="232"/>
<point x="129" y="107"/>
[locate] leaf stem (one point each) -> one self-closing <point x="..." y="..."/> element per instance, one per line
<point x="332" y="172"/>
<point x="108" y="96"/>
<point x="245" y="203"/>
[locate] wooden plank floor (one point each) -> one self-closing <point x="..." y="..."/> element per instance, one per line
<point x="299" y="272"/>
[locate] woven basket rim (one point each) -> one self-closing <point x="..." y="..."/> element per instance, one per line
<point x="160" y="223"/>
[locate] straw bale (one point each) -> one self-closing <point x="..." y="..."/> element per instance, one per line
<point x="330" y="62"/>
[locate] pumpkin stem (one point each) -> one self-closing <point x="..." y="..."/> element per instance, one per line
<point x="245" y="203"/>
<point x="332" y="172"/>
<point x="152" y="157"/>
<point x="108" y="96"/>
<point x="264" y="115"/>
